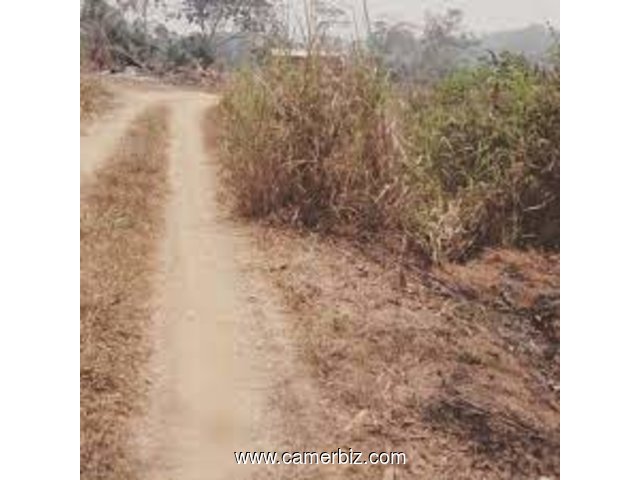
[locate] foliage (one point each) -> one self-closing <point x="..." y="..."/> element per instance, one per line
<point x="310" y="145"/>
<point x="443" y="39"/>
<point x="113" y="37"/>
<point x="397" y="49"/>
<point x="425" y="56"/>
<point x="471" y="163"/>
<point x="212" y="15"/>
<point x="109" y="40"/>
<point x="485" y="159"/>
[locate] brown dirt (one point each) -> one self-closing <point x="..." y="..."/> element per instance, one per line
<point x="121" y="218"/>
<point x="438" y="365"/>
<point x="220" y="353"/>
<point x="101" y="136"/>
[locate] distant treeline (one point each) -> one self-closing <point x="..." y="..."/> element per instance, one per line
<point x="232" y="33"/>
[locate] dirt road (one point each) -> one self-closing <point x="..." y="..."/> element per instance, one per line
<point x="353" y="358"/>
<point x="99" y="139"/>
<point x="221" y="359"/>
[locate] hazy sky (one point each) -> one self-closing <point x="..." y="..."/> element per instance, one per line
<point x="480" y="15"/>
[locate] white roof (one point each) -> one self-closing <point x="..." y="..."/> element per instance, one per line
<point x="300" y="52"/>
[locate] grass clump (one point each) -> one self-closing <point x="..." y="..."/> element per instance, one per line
<point x="472" y="162"/>
<point x="94" y="97"/>
<point x="485" y="160"/>
<point x="310" y="144"/>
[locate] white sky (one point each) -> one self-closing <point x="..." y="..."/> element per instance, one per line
<point x="480" y="15"/>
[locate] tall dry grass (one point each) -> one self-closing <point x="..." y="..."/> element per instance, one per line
<point x="311" y="144"/>
<point x="472" y="163"/>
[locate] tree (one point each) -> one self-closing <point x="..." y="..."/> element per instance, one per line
<point x="222" y="21"/>
<point x="109" y="40"/>
<point x="397" y="49"/>
<point x="442" y="42"/>
<point x="213" y="16"/>
<point x="423" y="54"/>
<point x="102" y="27"/>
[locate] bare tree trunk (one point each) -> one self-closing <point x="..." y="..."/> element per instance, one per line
<point x="145" y="11"/>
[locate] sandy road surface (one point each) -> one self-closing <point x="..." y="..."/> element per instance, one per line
<point x="221" y="358"/>
<point x="198" y="416"/>
<point x="98" y="139"/>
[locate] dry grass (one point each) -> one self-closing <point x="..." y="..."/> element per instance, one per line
<point x="311" y="145"/>
<point x="440" y="366"/>
<point x="473" y="164"/>
<point x="120" y="223"/>
<point x="95" y="98"/>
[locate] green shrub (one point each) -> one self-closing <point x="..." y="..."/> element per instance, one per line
<point x="485" y="160"/>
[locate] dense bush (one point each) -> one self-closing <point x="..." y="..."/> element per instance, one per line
<point x="472" y="162"/>
<point x="485" y="155"/>
<point x="311" y="144"/>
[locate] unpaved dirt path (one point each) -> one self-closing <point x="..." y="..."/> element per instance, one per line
<point x="221" y="361"/>
<point x="197" y="417"/>
<point x="100" y="138"/>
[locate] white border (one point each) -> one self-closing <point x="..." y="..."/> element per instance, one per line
<point x="39" y="240"/>
<point x="600" y="240"/>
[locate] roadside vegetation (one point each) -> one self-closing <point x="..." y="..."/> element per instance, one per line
<point x="95" y="98"/>
<point x="483" y="155"/>
<point x="423" y="266"/>
<point x="125" y="34"/>
<point x="469" y="162"/>
<point x="120" y="221"/>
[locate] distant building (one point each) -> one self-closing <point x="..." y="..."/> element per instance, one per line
<point x="298" y="56"/>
